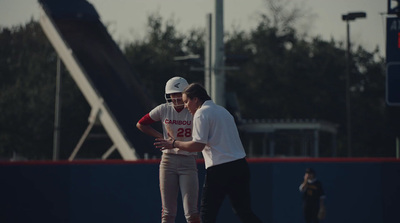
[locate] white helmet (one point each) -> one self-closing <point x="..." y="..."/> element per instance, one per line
<point x="174" y="85"/>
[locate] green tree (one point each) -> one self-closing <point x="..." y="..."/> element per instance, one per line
<point x="371" y="134"/>
<point x="26" y="92"/>
<point x="28" y="68"/>
<point x="153" y="57"/>
<point x="288" y="77"/>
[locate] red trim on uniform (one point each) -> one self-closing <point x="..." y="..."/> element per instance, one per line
<point x="179" y="109"/>
<point x="146" y="120"/>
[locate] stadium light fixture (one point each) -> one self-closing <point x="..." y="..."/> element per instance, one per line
<point x="351" y="16"/>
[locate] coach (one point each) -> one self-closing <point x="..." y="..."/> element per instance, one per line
<point x="227" y="172"/>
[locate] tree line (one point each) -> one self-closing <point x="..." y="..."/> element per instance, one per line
<point x="281" y="75"/>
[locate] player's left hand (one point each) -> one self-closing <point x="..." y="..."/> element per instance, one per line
<point x="322" y="213"/>
<point x="162" y="143"/>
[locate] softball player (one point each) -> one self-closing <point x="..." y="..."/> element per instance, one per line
<point x="178" y="168"/>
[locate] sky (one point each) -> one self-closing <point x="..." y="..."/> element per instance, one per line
<point x="127" y="18"/>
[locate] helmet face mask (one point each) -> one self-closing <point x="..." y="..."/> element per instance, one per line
<point x="172" y="87"/>
<point x="174" y="100"/>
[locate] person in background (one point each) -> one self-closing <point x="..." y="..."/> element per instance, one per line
<point x="178" y="168"/>
<point x="227" y="173"/>
<point x="313" y="197"/>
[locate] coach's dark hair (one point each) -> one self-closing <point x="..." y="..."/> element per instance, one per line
<point x="196" y="90"/>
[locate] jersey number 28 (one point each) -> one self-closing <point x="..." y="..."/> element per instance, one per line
<point x="184" y="132"/>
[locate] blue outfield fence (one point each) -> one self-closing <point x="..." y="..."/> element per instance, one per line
<point x="358" y="190"/>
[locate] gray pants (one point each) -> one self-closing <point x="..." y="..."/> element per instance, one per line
<point x="179" y="172"/>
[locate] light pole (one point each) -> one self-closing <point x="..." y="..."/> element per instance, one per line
<point x="349" y="17"/>
<point x="57" y="112"/>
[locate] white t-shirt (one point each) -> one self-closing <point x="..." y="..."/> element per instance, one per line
<point x="215" y="126"/>
<point x="177" y="124"/>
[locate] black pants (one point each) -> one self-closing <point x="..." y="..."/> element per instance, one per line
<point x="232" y="179"/>
<point x="311" y="213"/>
